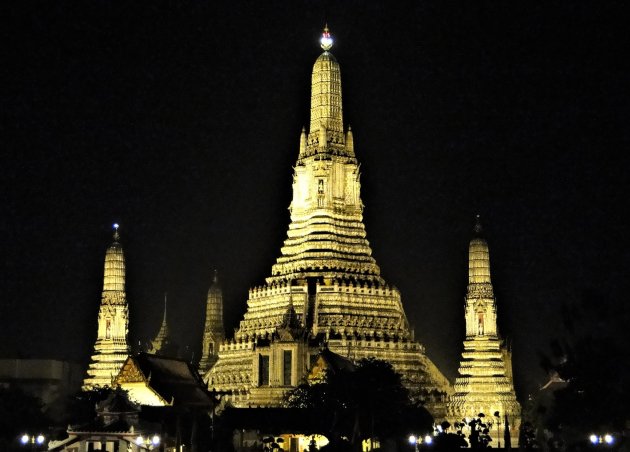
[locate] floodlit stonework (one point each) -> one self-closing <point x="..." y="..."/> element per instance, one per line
<point x="325" y="288"/>
<point x="111" y="348"/>
<point x="213" y="332"/>
<point x="485" y="383"/>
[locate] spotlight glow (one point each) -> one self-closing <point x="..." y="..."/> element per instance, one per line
<point x="326" y="41"/>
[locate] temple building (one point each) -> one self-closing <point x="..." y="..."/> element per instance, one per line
<point x="111" y="348"/>
<point x="485" y="383"/>
<point x="213" y="332"/>
<point x="325" y="287"/>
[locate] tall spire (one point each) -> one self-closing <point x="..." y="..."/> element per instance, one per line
<point x="485" y="376"/>
<point x="111" y="348"/>
<point x="114" y="274"/>
<point x="162" y="338"/>
<point x="213" y="333"/>
<point x="326" y="236"/>
<point x="478" y="258"/>
<point x="326" y="129"/>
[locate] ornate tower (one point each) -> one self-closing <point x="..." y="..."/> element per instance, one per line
<point x="485" y="381"/>
<point x="213" y="332"/>
<point x="160" y="343"/>
<point x="325" y="280"/>
<point x="111" y="348"/>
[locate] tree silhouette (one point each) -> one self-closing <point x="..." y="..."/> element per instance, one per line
<point x="590" y="356"/>
<point x="19" y="413"/>
<point x="366" y="402"/>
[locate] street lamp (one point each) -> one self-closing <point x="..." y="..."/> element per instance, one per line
<point x="496" y="414"/>
<point x="413" y="440"/>
<point x="607" y="439"/>
<point x="150" y="442"/>
<point x="35" y="441"/>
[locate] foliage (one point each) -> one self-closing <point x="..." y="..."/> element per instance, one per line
<point x="369" y="401"/>
<point x="589" y="357"/>
<point x="527" y="436"/>
<point x="82" y="405"/>
<point x="445" y="440"/>
<point x="479" y="433"/>
<point x="19" y="413"/>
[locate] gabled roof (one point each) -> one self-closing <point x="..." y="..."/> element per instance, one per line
<point x="175" y="381"/>
<point x="98" y="426"/>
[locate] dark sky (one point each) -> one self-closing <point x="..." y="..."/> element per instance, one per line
<point x="181" y="121"/>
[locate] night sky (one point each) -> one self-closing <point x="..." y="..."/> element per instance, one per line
<point x="181" y="122"/>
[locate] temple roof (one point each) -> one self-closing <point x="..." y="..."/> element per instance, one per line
<point x="174" y="380"/>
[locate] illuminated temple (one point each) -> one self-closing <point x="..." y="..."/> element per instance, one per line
<point x="325" y="288"/>
<point x="111" y="349"/>
<point x="485" y="383"/>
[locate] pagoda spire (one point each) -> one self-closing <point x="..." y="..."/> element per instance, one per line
<point x="479" y="259"/>
<point x="485" y="375"/>
<point x="163" y="336"/>
<point x="326" y="128"/>
<point x="214" y="332"/>
<point x="326" y="236"/>
<point x="114" y="273"/>
<point x="481" y="310"/>
<point x="111" y="347"/>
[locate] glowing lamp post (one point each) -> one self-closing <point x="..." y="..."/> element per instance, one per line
<point x="413" y="440"/>
<point x="36" y="441"/>
<point x="604" y="440"/>
<point x="149" y="443"/>
<point x="416" y="440"/>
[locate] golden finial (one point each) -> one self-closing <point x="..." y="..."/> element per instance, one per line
<point x="116" y="235"/>
<point x="326" y="41"/>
